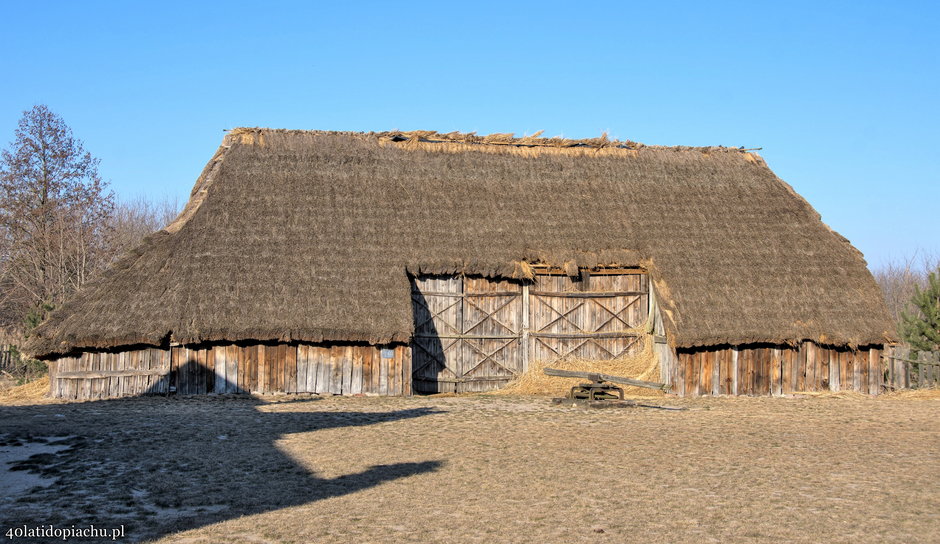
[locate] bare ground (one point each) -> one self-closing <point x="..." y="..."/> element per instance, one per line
<point x="479" y="469"/>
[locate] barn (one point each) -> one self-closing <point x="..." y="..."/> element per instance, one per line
<point x="396" y="263"/>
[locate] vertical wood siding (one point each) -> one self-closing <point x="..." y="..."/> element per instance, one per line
<point x="754" y="370"/>
<point x="768" y="369"/>
<point x="231" y="368"/>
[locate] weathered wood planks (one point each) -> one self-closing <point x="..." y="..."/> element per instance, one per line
<point x="233" y="368"/>
<point x="374" y="370"/>
<point x="603" y="377"/>
<point x="770" y="369"/>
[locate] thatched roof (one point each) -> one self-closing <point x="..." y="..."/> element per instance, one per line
<point x="309" y="236"/>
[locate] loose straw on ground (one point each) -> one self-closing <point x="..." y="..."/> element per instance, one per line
<point x="33" y="390"/>
<point x="932" y="393"/>
<point x="641" y="365"/>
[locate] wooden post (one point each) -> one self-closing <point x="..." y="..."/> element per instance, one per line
<point x="680" y="373"/>
<point x="525" y="328"/>
<point x="376" y="368"/>
<point x="406" y="371"/>
<point x="921" y="369"/>
<point x="703" y="361"/>
<point x="935" y="368"/>
<point x="890" y="364"/>
<point x="368" y="353"/>
<point x="324" y="370"/>
<point x="734" y="370"/>
<point x="302" y="368"/>
<point x="862" y="362"/>
<point x="290" y="368"/>
<point x="875" y="371"/>
<point x="835" y="383"/>
<point x="281" y="375"/>
<point x="53" y="365"/>
<point x="856" y="370"/>
<point x="314" y="360"/>
<point x="383" y="374"/>
<point x="716" y="372"/>
<point x="907" y="373"/>
<point x="346" y="379"/>
<point x="152" y="356"/>
<point x="810" y="380"/>
<point x="751" y="361"/>
<point x="776" y="372"/>
<point x="263" y="368"/>
<point x="336" y="379"/>
<point x="218" y="354"/>
<point x="686" y="361"/>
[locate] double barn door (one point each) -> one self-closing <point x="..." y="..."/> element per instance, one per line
<point x="476" y="334"/>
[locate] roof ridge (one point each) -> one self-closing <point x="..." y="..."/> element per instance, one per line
<point x="495" y="139"/>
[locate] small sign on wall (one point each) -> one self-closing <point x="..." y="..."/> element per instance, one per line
<point x="388" y="353"/>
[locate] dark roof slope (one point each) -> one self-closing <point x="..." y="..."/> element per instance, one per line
<point x="308" y="235"/>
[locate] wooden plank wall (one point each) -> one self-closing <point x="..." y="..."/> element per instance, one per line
<point x="768" y="369"/>
<point x="231" y="368"/>
<point x="97" y="375"/>
<point x="762" y="369"/>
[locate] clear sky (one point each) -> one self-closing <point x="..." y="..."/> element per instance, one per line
<point x="844" y="97"/>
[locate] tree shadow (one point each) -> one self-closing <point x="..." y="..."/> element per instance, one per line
<point x="163" y="465"/>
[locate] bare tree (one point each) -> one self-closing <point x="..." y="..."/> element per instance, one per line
<point x="53" y="216"/>
<point x="132" y="220"/>
<point x="900" y="279"/>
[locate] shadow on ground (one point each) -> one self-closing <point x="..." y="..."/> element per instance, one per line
<point x="161" y="465"/>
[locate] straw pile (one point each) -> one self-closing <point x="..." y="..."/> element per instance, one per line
<point x="641" y="365"/>
<point x="833" y="394"/>
<point x="914" y="394"/>
<point x="33" y="390"/>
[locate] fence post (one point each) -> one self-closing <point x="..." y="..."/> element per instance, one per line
<point x="936" y="368"/>
<point x="889" y="363"/>
<point x="920" y="370"/>
<point x="932" y="372"/>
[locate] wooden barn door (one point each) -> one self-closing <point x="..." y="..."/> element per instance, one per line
<point x="596" y="316"/>
<point x="476" y="334"/>
<point x="467" y="333"/>
<point x="491" y="347"/>
<point x="435" y="350"/>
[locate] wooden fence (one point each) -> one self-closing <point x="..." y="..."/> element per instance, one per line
<point x="15" y="365"/>
<point x="907" y="371"/>
<point x="8" y="361"/>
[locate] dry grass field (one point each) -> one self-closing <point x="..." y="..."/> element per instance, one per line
<point x="476" y="469"/>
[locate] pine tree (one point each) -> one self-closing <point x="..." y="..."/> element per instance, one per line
<point x="921" y="329"/>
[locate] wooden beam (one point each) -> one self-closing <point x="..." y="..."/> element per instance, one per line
<point x="603" y="377"/>
<point x="588" y="294"/>
<point x="469" y="295"/>
<point x="524" y="336"/>
<point x="545" y="270"/>
<point x="83" y="374"/>
<point x="584" y="335"/>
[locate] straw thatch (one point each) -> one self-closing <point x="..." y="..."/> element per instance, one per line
<point x="309" y="236"/>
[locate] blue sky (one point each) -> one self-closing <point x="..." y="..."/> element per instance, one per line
<point x="844" y="97"/>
